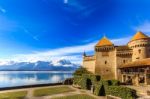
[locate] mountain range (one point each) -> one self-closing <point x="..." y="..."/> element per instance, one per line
<point x="60" y="65"/>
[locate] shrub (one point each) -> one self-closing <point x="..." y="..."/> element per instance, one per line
<point x="83" y="80"/>
<point x="113" y="82"/>
<point x="99" y="89"/>
<point x="122" y="92"/>
<point x="104" y="87"/>
<point x="80" y="71"/>
<point x="89" y="79"/>
<point x="77" y="80"/>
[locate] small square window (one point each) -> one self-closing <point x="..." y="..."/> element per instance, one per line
<point x="105" y="62"/>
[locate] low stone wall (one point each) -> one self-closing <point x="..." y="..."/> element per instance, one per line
<point x="30" y="86"/>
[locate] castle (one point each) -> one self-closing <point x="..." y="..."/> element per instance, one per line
<point x="129" y="63"/>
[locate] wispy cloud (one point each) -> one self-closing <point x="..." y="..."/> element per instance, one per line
<point x="144" y="27"/>
<point x="35" y="37"/>
<point x="2" y="10"/>
<point x="73" y="53"/>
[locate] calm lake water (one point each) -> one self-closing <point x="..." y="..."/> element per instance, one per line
<point x="19" y="78"/>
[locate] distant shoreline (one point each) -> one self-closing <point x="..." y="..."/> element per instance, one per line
<point x="33" y="70"/>
<point x="36" y="71"/>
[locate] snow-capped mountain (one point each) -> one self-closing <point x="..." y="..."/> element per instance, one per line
<point x="60" y="65"/>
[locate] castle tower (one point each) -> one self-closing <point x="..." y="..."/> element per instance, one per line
<point x="105" y="59"/>
<point x="140" y="43"/>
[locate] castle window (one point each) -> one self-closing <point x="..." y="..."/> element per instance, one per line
<point x="138" y="58"/>
<point x="105" y="62"/>
<point x="139" y="51"/>
<point x="124" y="61"/>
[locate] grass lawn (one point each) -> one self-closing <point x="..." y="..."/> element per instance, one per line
<point x="79" y="96"/>
<point x="51" y="91"/>
<point x="13" y="95"/>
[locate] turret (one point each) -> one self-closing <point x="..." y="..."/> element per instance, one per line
<point x="84" y="54"/>
<point x="140" y="43"/>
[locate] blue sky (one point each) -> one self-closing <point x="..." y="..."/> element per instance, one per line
<point x="32" y="30"/>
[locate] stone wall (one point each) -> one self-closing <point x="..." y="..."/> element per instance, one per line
<point x="89" y="65"/>
<point x="106" y="64"/>
<point x="141" y="49"/>
<point x="122" y="59"/>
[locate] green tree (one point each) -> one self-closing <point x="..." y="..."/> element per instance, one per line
<point x="81" y="71"/>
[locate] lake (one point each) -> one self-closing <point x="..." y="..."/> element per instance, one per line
<point x="20" y="78"/>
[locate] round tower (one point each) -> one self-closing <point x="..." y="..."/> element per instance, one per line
<point x="140" y="44"/>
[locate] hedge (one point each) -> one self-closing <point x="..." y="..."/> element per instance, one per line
<point x="122" y="92"/>
<point x="104" y="87"/>
<point x="99" y="89"/>
<point x="114" y="82"/>
<point x="77" y="80"/>
<point x="81" y="80"/>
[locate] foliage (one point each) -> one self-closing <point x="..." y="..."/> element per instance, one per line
<point x="77" y="80"/>
<point x="114" y="82"/>
<point x="99" y="89"/>
<point x="13" y="95"/>
<point x="81" y="71"/>
<point x="52" y="90"/>
<point x="83" y="80"/>
<point x="122" y="92"/>
<point x="79" y="96"/>
<point x="104" y="87"/>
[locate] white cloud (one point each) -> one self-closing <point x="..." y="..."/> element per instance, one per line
<point x="73" y="53"/>
<point x="65" y="1"/>
<point x="144" y="27"/>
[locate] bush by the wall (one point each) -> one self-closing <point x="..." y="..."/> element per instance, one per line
<point x="93" y="78"/>
<point x="99" y="89"/>
<point x="122" y="92"/>
<point x="77" y="80"/>
<point x="80" y="71"/>
<point x="82" y="80"/>
<point x="104" y="87"/>
<point x="113" y="82"/>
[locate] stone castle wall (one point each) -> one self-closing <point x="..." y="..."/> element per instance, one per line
<point x="141" y="49"/>
<point x="106" y="63"/>
<point x="89" y="65"/>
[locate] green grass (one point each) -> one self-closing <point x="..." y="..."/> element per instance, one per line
<point x="79" y="96"/>
<point x="13" y="95"/>
<point x="51" y="91"/>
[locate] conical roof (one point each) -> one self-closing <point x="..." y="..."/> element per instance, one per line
<point x="104" y="42"/>
<point x="139" y="35"/>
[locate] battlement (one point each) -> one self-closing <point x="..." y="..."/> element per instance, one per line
<point x="89" y="58"/>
